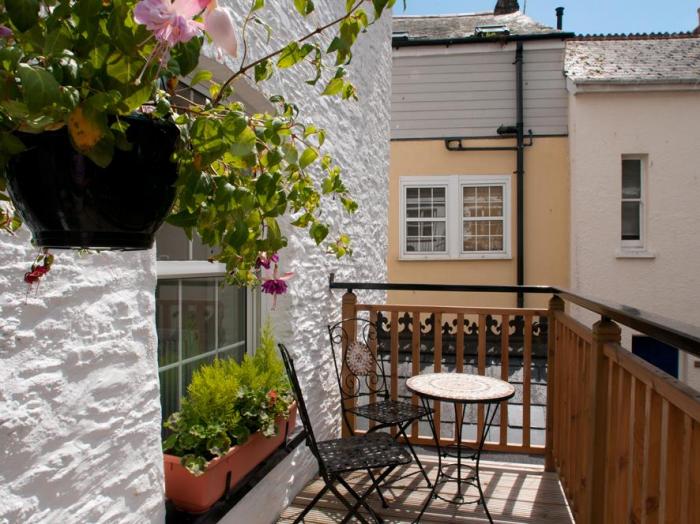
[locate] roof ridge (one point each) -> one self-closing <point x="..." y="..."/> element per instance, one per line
<point x="452" y="15"/>
<point x="634" y="36"/>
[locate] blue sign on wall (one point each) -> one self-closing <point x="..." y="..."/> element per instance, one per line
<point x="661" y="355"/>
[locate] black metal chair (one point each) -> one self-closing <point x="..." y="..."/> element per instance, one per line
<point x="337" y="457"/>
<point x="361" y="374"/>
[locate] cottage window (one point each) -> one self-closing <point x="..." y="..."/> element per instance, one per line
<point x="197" y="317"/>
<point x="632" y="208"/>
<point x="455" y="217"/>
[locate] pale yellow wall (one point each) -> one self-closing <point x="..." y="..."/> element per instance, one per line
<point x="546" y="220"/>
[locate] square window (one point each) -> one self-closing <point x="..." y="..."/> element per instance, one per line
<point x="432" y="213"/>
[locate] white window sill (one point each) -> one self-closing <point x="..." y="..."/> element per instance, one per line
<point x="188" y="268"/>
<point x="634" y="253"/>
<point x="481" y="256"/>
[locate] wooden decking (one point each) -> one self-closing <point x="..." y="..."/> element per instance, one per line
<point x="522" y="493"/>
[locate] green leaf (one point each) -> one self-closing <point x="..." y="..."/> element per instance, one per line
<point x="39" y="87"/>
<point x="57" y="41"/>
<point x="305" y="7"/>
<point x="263" y="70"/>
<point x="201" y="76"/>
<point x="318" y="232"/>
<point x="24" y="14"/>
<point x="334" y="87"/>
<point x="308" y="157"/>
<point x="123" y="68"/>
<point x="293" y="54"/>
<point x="187" y="55"/>
<point x="257" y="5"/>
<point x="381" y="5"/>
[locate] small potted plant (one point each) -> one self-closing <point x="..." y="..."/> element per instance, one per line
<point x="98" y="145"/>
<point x="233" y="417"/>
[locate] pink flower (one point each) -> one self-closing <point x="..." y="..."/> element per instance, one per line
<point x="218" y="24"/>
<point x="264" y="261"/>
<point x="276" y="285"/>
<point x="171" y="22"/>
<point x="5" y="32"/>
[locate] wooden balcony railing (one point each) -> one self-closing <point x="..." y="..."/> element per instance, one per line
<point x="623" y="436"/>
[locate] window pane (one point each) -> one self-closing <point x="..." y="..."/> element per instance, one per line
<point x="482" y="243"/>
<point x="167" y="313"/>
<point x="426" y="236"/>
<point x="198" y="329"/>
<point x="412" y="202"/>
<point x="496" y="201"/>
<point x="495" y="227"/>
<point x="496" y="243"/>
<point x="169" y="394"/>
<point x="482" y="201"/>
<point x="630" y="221"/>
<point x="631" y="179"/>
<point x="439" y="202"/>
<point x="412" y="229"/>
<point x="172" y="243"/>
<point x="469" y="244"/>
<point x="469" y="201"/>
<point x="232" y="315"/>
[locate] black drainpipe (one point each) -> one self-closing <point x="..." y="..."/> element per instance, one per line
<point x="520" y="169"/>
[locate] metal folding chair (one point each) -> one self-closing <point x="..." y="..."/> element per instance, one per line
<point x="361" y="375"/>
<point x="338" y="457"/>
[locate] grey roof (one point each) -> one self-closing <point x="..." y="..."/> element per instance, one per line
<point x="442" y="27"/>
<point x="632" y="60"/>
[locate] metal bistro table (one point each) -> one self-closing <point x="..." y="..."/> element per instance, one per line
<point x="460" y="389"/>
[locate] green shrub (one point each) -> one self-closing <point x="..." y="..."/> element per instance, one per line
<point x="226" y="402"/>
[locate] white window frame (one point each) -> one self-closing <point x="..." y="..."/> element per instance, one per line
<point x="453" y="185"/>
<point x="635" y="245"/>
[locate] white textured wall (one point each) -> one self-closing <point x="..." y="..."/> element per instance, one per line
<point x="664" y="126"/>
<point x="79" y="404"/>
<point x="358" y="139"/>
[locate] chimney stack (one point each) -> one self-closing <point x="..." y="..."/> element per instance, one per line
<point x="505" y="7"/>
<point x="697" y="29"/>
<point x="560" y="18"/>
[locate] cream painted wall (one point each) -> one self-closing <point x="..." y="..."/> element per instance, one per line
<point x="664" y="126"/>
<point x="546" y="220"/>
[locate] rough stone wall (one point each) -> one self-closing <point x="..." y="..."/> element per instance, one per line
<point x="79" y="404"/>
<point x="358" y="139"/>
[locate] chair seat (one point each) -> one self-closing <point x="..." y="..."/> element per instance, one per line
<point x="390" y="411"/>
<point x="373" y="450"/>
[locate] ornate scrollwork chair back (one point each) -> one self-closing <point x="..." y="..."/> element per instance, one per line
<point x="359" y="370"/>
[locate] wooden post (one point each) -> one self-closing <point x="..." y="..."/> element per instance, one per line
<point x="555" y="304"/>
<point x="350" y="329"/>
<point x="593" y="506"/>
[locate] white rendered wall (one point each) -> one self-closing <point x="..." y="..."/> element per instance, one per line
<point x="79" y="402"/>
<point x="358" y="139"/>
<point x="664" y="126"/>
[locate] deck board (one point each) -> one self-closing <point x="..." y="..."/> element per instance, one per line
<point x="522" y="493"/>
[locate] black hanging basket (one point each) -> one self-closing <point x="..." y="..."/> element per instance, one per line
<point x="69" y="202"/>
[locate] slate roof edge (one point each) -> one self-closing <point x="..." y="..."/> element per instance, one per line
<point x="408" y="42"/>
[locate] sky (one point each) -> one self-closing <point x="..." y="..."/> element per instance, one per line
<point x="581" y="16"/>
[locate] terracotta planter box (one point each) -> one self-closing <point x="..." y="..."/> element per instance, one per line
<point x="198" y="494"/>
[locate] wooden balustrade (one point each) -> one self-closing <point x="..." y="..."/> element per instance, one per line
<point x="625" y="436"/>
<point x="413" y="339"/>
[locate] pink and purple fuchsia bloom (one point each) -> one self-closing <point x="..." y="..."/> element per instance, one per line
<point x="5" y="32"/>
<point x="174" y="22"/>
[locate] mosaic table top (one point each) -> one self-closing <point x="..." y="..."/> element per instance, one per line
<point x="460" y="387"/>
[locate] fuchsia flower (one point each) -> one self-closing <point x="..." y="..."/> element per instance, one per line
<point x="265" y="261"/>
<point x="173" y="22"/>
<point x="5" y="32"/>
<point x="276" y="286"/>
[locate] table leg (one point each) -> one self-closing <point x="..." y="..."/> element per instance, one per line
<point x="433" y="492"/>
<point x="488" y="420"/>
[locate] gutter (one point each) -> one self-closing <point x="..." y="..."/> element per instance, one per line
<point x="520" y="170"/>
<point x="412" y="42"/>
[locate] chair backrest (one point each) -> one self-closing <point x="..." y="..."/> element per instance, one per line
<point x="301" y="405"/>
<point x="359" y="371"/>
